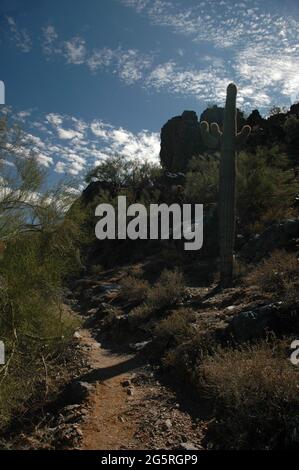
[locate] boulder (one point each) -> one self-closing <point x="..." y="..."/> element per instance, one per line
<point x="180" y="141"/>
<point x="252" y="324"/>
<point x="277" y="236"/>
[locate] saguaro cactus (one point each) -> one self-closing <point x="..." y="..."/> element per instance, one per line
<point x="229" y="141"/>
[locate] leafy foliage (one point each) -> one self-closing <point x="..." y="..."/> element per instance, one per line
<point x="39" y="248"/>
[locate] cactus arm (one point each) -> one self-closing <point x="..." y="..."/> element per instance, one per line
<point x="210" y="139"/>
<point x="242" y="136"/>
<point x="216" y="132"/>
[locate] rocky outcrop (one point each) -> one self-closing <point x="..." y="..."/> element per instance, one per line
<point x="216" y="114"/>
<point x="280" y="235"/>
<point x="256" y="323"/>
<point x="253" y="324"/>
<point x="180" y="141"/>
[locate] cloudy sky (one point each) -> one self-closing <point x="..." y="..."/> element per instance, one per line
<point x="93" y="77"/>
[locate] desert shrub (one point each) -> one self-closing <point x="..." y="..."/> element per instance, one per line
<point x="264" y="186"/>
<point x="255" y="392"/>
<point x="162" y="295"/>
<point x="140" y="314"/>
<point x="202" y="180"/>
<point x="39" y="249"/>
<point x="270" y="216"/>
<point x="34" y="324"/>
<point x="111" y="316"/>
<point x="188" y="354"/>
<point x="96" y="269"/>
<point x="279" y="275"/>
<point x="134" y="289"/>
<point x="167" y="290"/>
<point x="291" y="127"/>
<point x="121" y="171"/>
<point x="175" y="328"/>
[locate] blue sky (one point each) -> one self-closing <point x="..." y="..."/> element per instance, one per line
<point x="89" y="78"/>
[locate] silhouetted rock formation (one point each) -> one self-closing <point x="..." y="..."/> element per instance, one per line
<point x="180" y="141"/>
<point x="216" y="114"/>
<point x="255" y="120"/>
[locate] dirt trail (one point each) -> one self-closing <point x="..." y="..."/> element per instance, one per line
<point x="110" y="425"/>
<point x="129" y="408"/>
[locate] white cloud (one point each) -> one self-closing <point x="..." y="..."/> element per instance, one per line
<point x="131" y="65"/>
<point x="44" y="160"/>
<point x="100" y="58"/>
<point x="252" y="45"/>
<point x="70" y="145"/>
<point x="68" y="133"/>
<point x="50" y="38"/>
<point x="54" y="119"/>
<point x="265" y="72"/>
<point x="205" y="84"/>
<point x="19" y="36"/>
<point x="75" y="50"/>
<point x="144" y="145"/>
<point x="128" y="64"/>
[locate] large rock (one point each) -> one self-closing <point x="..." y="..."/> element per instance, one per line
<point x="180" y="141"/>
<point x="216" y="114"/>
<point x="277" y="236"/>
<point x="278" y="317"/>
<point x="253" y="324"/>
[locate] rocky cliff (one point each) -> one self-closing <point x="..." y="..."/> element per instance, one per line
<point x="180" y="141"/>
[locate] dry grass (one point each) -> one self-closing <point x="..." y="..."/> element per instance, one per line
<point x="167" y="290"/>
<point x="176" y="328"/>
<point x="134" y="289"/>
<point x="255" y="390"/>
<point x="278" y="275"/>
<point x="162" y="295"/>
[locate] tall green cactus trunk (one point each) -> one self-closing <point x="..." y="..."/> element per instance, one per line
<point x="227" y="187"/>
<point x="229" y="141"/>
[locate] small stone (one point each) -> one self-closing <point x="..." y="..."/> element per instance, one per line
<point x="167" y="425"/>
<point x="188" y="446"/>
<point x="92" y="311"/>
<point x="79" y="432"/>
<point x="139" y="346"/>
<point x="69" y="408"/>
<point x="230" y="308"/>
<point x="126" y="383"/>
